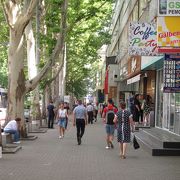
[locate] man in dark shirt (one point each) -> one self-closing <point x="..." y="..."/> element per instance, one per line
<point x="51" y="114"/>
<point x="66" y="106"/>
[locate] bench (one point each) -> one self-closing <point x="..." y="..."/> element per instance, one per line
<point x="6" y="138"/>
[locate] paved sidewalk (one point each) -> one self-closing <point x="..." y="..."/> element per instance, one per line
<point x="50" y="158"/>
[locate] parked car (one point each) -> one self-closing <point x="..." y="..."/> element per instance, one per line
<point x="2" y="116"/>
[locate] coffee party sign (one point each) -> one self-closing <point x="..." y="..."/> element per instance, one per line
<point x="142" y="39"/>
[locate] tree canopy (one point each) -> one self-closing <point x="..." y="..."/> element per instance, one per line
<point x="89" y="21"/>
<point x="87" y="24"/>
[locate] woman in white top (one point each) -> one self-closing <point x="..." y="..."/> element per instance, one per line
<point x="61" y="117"/>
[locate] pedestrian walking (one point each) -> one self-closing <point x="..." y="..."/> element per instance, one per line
<point x="13" y="128"/>
<point x="95" y="111"/>
<point x="61" y="117"/>
<point x="131" y="103"/>
<point x="141" y="100"/>
<point x="66" y="106"/>
<point x="137" y="109"/>
<point x="90" y="109"/>
<point x="80" y="120"/>
<point x="146" y="110"/>
<point x="125" y="123"/>
<point x="51" y="114"/>
<point x="108" y="115"/>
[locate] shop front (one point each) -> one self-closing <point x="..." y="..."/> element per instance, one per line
<point x="129" y="78"/>
<point x="167" y="105"/>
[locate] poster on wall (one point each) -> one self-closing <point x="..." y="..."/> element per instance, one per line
<point x="168" y="31"/>
<point x="169" y="8"/>
<point x="67" y="99"/>
<point x="143" y="39"/>
<point x="172" y="73"/>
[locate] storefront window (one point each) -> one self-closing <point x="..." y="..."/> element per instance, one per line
<point x="159" y="98"/>
<point x="167" y="107"/>
<point x="177" y="114"/>
<point x="172" y="112"/>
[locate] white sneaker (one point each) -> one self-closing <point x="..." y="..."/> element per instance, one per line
<point x="107" y="147"/>
<point x="17" y="142"/>
<point x="60" y="137"/>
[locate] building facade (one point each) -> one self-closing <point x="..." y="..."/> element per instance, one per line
<point x="141" y="74"/>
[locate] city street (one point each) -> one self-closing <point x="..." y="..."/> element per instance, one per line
<point x="51" y="158"/>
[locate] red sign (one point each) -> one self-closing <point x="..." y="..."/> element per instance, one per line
<point x="169" y="50"/>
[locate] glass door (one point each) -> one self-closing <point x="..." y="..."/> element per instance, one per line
<point x="171" y="117"/>
<point x="159" y="98"/>
<point x="177" y="114"/>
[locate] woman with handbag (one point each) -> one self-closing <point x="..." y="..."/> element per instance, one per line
<point x="125" y="123"/>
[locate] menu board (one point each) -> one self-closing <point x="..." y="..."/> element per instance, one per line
<point x="172" y="73"/>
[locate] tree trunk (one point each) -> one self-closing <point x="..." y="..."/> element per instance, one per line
<point x="16" y="86"/>
<point x="16" y="81"/>
<point x="17" y="21"/>
<point x="32" y="68"/>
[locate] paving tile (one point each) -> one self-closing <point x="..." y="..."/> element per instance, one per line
<point x="50" y="158"/>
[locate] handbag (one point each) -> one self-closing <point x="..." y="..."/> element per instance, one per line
<point x="135" y="143"/>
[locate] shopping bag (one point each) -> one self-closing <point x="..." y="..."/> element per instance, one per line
<point x="135" y="143"/>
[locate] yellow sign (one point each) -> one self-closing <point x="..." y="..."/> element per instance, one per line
<point x="168" y="31"/>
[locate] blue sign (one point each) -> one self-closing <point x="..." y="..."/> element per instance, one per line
<point x="172" y="73"/>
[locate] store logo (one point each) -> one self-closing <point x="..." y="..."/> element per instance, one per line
<point x="133" y="64"/>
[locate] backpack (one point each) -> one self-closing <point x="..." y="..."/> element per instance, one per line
<point x="110" y="116"/>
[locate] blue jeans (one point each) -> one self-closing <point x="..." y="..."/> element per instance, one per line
<point x="15" y="133"/>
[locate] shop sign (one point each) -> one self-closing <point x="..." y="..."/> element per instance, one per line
<point x="172" y="73"/>
<point x="142" y="39"/>
<point x="169" y="31"/>
<point x="134" y="65"/>
<point x="134" y="79"/>
<point x="67" y="99"/>
<point x="169" y="8"/>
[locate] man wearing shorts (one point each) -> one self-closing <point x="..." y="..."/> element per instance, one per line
<point x="108" y="115"/>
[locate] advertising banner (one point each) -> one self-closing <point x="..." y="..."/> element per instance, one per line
<point x="169" y="8"/>
<point x="142" y="39"/>
<point x="168" y="31"/>
<point x="172" y="73"/>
